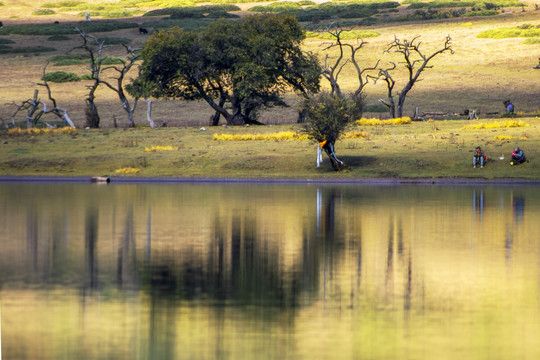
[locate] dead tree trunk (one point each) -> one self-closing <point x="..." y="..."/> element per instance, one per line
<point x="149" y="113"/>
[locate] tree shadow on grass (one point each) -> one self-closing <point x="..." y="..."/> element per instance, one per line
<point x="359" y="161"/>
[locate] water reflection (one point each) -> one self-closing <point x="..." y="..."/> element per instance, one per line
<point x="268" y="271"/>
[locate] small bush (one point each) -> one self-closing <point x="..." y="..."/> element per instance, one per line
<point x="62" y="4"/>
<point x="44" y="12"/>
<point x="161" y="148"/>
<point x="61" y="77"/>
<point x="58" y="38"/>
<point x="532" y="41"/>
<point x="509" y="32"/>
<point x="111" y="60"/>
<point x="496" y="125"/>
<point x="67" y="29"/>
<point x="481" y="13"/>
<point x="26" y="50"/>
<point x="68" y="59"/>
<point x="86" y="77"/>
<point x="127" y="171"/>
<point x="377" y="122"/>
<point x="6" y="41"/>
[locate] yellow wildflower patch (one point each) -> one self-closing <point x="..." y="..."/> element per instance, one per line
<point x="161" y="148"/>
<point x="284" y="135"/>
<point x="127" y="171"/>
<point x="377" y="122"/>
<point x="38" y="131"/>
<point x="355" y="135"/>
<point x="504" y="137"/>
<point x="496" y="125"/>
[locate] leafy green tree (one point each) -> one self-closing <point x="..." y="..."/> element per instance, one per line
<point x="237" y="67"/>
<point x="327" y="116"/>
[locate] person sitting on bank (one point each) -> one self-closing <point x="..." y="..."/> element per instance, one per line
<point x="479" y="157"/>
<point x="518" y="157"/>
<point x="509" y="107"/>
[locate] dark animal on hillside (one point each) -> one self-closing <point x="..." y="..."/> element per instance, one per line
<point x="1" y="24"/>
<point x="143" y="31"/>
<point x="57" y="22"/>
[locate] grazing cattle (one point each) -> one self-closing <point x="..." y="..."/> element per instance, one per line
<point x="143" y="31"/>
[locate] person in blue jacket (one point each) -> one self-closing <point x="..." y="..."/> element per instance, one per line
<point x="518" y="157"/>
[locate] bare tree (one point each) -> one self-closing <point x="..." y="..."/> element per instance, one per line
<point x="332" y="71"/>
<point x="94" y="48"/>
<point x="122" y="70"/>
<point x="36" y="108"/>
<point x="415" y="62"/>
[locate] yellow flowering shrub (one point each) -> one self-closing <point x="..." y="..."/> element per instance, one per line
<point x="161" y="148"/>
<point x="127" y="171"/>
<point x="284" y="135"/>
<point x="355" y="135"/>
<point x="38" y="131"/>
<point x="504" y="137"/>
<point x="377" y="122"/>
<point x="496" y="125"/>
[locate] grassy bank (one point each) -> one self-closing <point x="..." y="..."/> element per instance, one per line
<point x="432" y="149"/>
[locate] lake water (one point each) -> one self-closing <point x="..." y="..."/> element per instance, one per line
<point x="269" y="271"/>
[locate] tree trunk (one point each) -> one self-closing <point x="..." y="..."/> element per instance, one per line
<point x="92" y="115"/>
<point x="337" y="164"/>
<point x="149" y="113"/>
<point x="32" y="109"/>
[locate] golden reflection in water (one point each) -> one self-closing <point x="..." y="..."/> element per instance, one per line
<point x="269" y="271"/>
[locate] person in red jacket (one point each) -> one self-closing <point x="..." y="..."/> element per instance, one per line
<point x="479" y="157"/>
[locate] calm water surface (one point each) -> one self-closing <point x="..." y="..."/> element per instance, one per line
<point x="186" y="271"/>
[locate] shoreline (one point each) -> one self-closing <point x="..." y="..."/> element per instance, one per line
<point x="209" y="180"/>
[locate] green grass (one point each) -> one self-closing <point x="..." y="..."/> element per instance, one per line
<point x="510" y="32"/>
<point x="432" y="150"/>
<point x="532" y="41"/>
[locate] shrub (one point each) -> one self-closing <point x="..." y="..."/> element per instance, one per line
<point x="44" y="12"/>
<point x="62" y="4"/>
<point x="38" y="131"/>
<point x="67" y="29"/>
<point x="58" y="38"/>
<point x="532" y="41"/>
<point x="496" y="125"/>
<point x="26" y="50"/>
<point x="377" y="122"/>
<point x="481" y="13"/>
<point x="68" y="59"/>
<point x="6" y="41"/>
<point x="61" y="77"/>
<point x="284" y="135"/>
<point x="161" y="148"/>
<point x="127" y="171"/>
<point x="509" y="32"/>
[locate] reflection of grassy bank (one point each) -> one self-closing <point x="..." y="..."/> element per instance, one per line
<point x="433" y="149"/>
